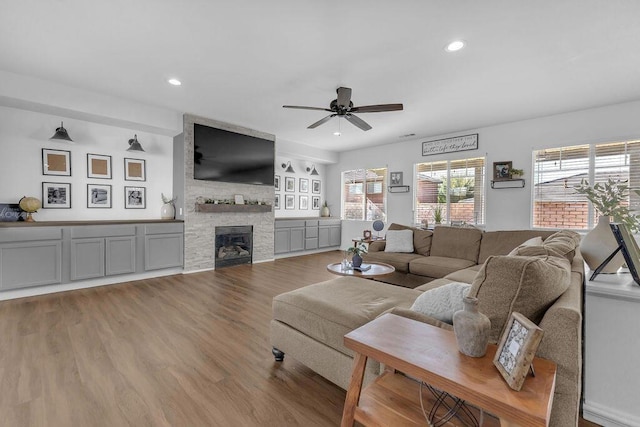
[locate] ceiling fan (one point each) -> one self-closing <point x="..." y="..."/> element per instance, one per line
<point x="343" y="107"/>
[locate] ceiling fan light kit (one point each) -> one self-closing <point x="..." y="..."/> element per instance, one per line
<point x="342" y="106"/>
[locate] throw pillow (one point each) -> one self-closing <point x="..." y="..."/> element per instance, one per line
<point x="535" y="241"/>
<point x="399" y="241"/>
<point x="421" y="238"/>
<point x="528" y="285"/>
<point x="561" y="244"/>
<point x="441" y="302"/>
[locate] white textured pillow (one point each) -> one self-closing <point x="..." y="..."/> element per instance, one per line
<point x="534" y="241"/>
<point x="399" y="241"/>
<point x="441" y="302"/>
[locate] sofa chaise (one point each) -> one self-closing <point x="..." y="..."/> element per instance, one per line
<point x="506" y="271"/>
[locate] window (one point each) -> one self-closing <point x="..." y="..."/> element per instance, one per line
<point x="364" y="195"/>
<point x="557" y="171"/>
<point x="455" y="188"/>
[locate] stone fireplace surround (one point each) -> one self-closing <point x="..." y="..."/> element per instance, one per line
<point x="199" y="227"/>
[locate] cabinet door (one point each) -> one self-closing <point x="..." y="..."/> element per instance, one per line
<point x="296" y="240"/>
<point x="30" y="264"/>
<point x="281" y="240"/>
<point x="323" y="237"/>
<point x="87" y="258"/>
<point x="163" y="251"/>
<point x="335" y="235"/>
<point x="120" y="255"/>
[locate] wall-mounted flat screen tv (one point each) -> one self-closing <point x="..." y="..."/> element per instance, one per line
<point x="221" y="155"/>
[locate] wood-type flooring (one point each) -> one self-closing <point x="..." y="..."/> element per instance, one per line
<point x="182" y="350"/>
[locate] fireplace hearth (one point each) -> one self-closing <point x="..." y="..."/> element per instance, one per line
<point x="233" y="245"/>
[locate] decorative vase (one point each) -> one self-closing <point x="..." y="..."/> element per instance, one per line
<point x="325" y="212"/>
<point x="472" y="329"/>
<point x="598" y="244"/>
<point x="167" y="211"/>
<point x="356" y="260"/>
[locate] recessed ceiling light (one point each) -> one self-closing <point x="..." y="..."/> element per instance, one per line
<point x="336" y="133"/>
<point x="455" y="46"/>
<point x="174" y="82"/>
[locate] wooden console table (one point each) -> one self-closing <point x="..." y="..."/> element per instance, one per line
<point x="430" y="354"/>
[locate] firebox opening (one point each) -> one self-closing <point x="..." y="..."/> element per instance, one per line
<point x="233" y="246"/>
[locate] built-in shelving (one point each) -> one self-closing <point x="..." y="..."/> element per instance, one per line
<point x="213" y="208"/>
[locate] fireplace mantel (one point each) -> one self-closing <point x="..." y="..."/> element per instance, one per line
<point x="213" y="208"/>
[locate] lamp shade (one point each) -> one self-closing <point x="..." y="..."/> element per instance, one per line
<point x="288" y="167"/>
<point x="134" y="145"/>
<point x="61" y="133"/>
<point x="313" y="170"/>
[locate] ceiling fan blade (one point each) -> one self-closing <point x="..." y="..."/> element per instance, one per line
<point x="344" y="96"/>
<point x="357" y="121"/>
<point x="376" y="108"/>
<point x="321" y="121"/>
<point x="305" y="108"/>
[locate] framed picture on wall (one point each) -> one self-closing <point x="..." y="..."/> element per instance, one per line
<point x="56" y="162"/>
<point x="304" y="185"/>
<point x="134" y="170"/>
<point x="98" y="196"/>
<point x="276" y="202"/>
<point x="289" y="201"/>
<point x="56" y="195"/>
<point x="315" y="203"/>
<point x="304" y="202"/>
<point x="315" y="186"/>
<point x="276" y="182"/>
<point x="98" y="166"/>
<point x="135" y="197"/>
<point x="289" y="184"/>
<point x="502" y="170"/>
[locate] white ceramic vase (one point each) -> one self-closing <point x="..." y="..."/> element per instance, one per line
<point x="598" y="244"/>
<point x="325" y="212"/>
<point x="168" y="211"/>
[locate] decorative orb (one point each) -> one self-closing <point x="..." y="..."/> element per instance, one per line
<point x="378" y="225"/>
<point x="30" y="205"/>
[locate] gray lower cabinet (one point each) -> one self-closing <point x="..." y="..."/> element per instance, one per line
<point x="329" y="233"/>
<point x="281" y="240"/>
<point x="311" y="235"/>
<point x="43" y="255"/>
<point x="292" y="235"/>
<point x="163" y="246"/>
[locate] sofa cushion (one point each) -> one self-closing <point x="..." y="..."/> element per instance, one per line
<point x="440" y="303"/>
<point x="561" y="244"/>
<point x="421" y="238"/>
<point x="465" y="275"/>
<point x="456" y="242"/>
<point x="326" y="311"/>
<point x="534" y="241"/>
<point x="528" y="285"/>
<point x="399" y="260"/>
<point x="437" y="266"/>
<point x="502" y="242"/>
<point x="399" y="241"/>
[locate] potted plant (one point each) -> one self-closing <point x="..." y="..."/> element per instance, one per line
<point x="357" y="251"/>
<point x="325" y="212"/>
<point x="516" y="173"/>
<point x="610" y="200"/>
<point x="168" y="210"/>
<point x="437" y="214"/>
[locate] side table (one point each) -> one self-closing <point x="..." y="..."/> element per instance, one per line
<point x="431" y="355"/>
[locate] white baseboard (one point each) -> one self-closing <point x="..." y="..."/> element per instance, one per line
<point x="607" y="417"/>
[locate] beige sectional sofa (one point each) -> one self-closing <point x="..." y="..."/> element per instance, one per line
<point x="544" y="282"/>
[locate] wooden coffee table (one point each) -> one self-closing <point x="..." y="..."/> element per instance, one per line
<point x="431" y="355"/>
<point x="377" y="269"/>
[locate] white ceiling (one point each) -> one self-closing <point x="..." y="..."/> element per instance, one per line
<point x="240" y="61"/>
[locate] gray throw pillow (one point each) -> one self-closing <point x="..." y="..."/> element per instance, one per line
<point x="399" y="241"/>
<point x="441" y="302"/>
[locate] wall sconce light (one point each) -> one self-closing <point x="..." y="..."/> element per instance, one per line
<point x="134" y="145"/>
<point x="313" y="170"/>
<point x="61" y="133"/>
<point x="288" y="167"/>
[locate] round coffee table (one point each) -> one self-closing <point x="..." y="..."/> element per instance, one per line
<point x="377" y="269"/>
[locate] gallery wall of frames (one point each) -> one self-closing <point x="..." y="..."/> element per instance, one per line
<point x="299" y="192"/>
<point x="91" y="177"/>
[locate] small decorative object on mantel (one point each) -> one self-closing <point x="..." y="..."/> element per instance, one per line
<point x="238" y="199"/>
<point x="366" y="234"/>
<point x="516" y="350"/>
<point x="30" y="205"/>
<point x="609" y="200"/>
<point x="168" y="209"/>
<point x="357" y="252"/>
<point x="472" y="329"/>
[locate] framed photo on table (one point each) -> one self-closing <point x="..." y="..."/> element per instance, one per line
<point x="517" y="349"/>
<point x="56" y="195"/>
<point x="98" y="196"/>
<point x="56" y="162"/>
<point x="134" y="170"/>
<point x="135" y="197"/>
<point x="502" y="170"/>
<point x="98" y="166"/>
